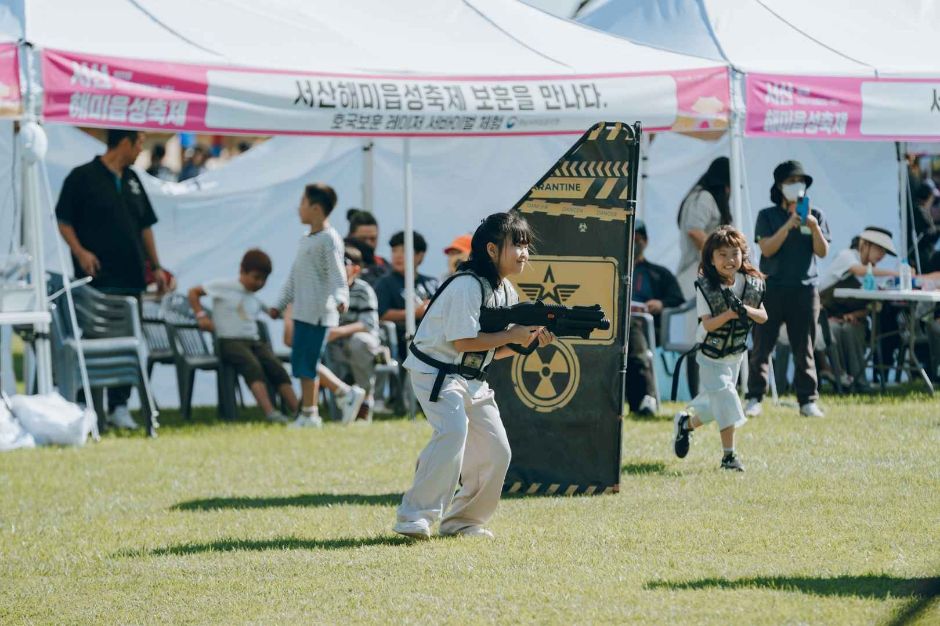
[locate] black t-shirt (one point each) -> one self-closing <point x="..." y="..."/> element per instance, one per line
<point x="390" y="290"/>
<point x="794" y="264"/>
<point x="108" y="216"/>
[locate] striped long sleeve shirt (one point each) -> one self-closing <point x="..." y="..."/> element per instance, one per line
<point x="317" y="281"/>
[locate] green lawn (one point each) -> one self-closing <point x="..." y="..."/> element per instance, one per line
<point x="835" y="522"/>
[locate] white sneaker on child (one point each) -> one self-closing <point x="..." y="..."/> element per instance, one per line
<point x="121" y="418"/>
<point x="753" y="407"/>
<point x="416" y="530"/>
<point x="350" y="403"/>
<point x="811" y="409"/>
<point x="278" y="418"/>
<point x="306" y="421"/>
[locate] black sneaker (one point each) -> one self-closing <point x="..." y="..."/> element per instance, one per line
<point x="730" y="461"/>
<point x="682" y="434"/>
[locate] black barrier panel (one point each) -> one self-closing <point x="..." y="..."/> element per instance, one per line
<point x="563" y="405"/>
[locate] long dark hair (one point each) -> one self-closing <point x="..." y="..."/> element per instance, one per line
<point x="715" y="180"/>
<point x="496" y="229"/>
<point x="725" y="237"/>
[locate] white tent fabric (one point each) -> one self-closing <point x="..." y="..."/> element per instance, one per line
<point x="207" y="225"/>
<point x="838" y="69"/>
<point x="368" y="68"/>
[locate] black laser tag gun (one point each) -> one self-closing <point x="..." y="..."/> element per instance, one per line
<point x="562" y="321"/>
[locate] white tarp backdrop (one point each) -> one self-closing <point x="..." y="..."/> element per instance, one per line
<point x="206" y="226"/>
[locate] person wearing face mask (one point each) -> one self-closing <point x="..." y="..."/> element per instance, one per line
<point x="789" y="247"/>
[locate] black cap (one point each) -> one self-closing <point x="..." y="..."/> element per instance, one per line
<point x="791" y="168"/>
<point x="639" y="228"/>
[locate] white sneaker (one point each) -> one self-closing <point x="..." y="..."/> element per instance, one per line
<point x="471" y="531"/>
<point x="753" y="408"/>
<point x="278" y="418"/>
<point x="307" y="421"/>
<point x="416" y="530"/>
<point x="351" y="402"/>
<point x="121" y="418"/>
<point x="648" y="406"/>
<point x="811" y="409"/>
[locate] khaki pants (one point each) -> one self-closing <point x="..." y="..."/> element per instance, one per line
<point x="469" y="444"/>
<point x="357" y="352"/>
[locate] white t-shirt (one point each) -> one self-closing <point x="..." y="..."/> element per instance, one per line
<point x="234" y="309"/>
<point x="839" y="268"/>
<point x="702" y="308"/>
<point x="454" y="315"/>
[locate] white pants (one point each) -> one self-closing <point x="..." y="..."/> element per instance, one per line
<point x="469" y="444"/>
<point x="718" y="399"/>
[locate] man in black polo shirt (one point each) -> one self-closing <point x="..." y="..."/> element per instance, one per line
<point x="789" y="247"/>
<point x="105" y="217"/>
<point x="657" y="288"/>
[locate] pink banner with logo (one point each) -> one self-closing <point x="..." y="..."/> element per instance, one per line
<point x="817" y="107"/>
<point x="11" y="104"/>
<point x="113" y="92"/>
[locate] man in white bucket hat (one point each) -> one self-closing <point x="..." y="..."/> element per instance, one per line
<point x="847" y="317"/>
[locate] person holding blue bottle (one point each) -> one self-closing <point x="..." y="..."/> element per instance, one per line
<point x="789" y="244"/>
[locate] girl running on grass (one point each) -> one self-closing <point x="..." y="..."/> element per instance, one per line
<point x="728" y="296"/>
<point x="447" y="362"/>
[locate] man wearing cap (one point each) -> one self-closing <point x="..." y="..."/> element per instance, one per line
<point x="656" y="288"/>
<point x="847" y="316"/>
<point x="457" y="252"/>
<point x="789" y="245"/>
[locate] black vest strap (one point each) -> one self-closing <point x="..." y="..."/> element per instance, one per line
<point x="444" y="369"/>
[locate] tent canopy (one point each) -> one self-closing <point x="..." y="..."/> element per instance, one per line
<point x="450" y="67"/>
<point x="837" y="69"/>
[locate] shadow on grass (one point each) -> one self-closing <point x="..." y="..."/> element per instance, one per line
<point x="638" y="469"/>
<point x="262" y="545"/>
<point x="866" y="586"/>
<point x="305" y="500"/>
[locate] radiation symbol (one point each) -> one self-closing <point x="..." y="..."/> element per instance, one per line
<point x="546" y="379"/>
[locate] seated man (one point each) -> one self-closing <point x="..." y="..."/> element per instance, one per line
<point x="355" y="342"/>
<point x="390" y="289"/>
<point x="847" y="317"/>
<point x="657" y="288"/>
<point x="235" y="309"/>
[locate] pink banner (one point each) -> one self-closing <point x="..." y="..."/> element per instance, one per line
<point x="113" y="92"/>
<point x="10" y="100"/>
<point x="843" y="108"/>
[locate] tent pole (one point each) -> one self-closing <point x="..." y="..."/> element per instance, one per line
<point x="737" y="154"/>
<point x="32" y="235"/>
<point x="32" y="144"/>
<point x="645" y="141"/>
<point x="368" y="169"/>
<point x="905" y="207"/>
<point x="409" y="260"/>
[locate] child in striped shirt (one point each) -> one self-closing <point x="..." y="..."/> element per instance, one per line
<point x="318" y="291"/>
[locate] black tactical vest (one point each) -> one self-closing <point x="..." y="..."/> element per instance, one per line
<point x="732" y="337"/>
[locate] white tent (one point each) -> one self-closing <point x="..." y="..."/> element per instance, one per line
<point x="450" y="68"/>
<point x="805" y="70"/>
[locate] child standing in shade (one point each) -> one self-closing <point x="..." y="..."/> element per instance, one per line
<point x="318" y="291"/>
<point x="728" y="296"/>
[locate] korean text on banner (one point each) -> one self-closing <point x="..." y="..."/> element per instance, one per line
<point x="100" y="91"/>
<point x="10" y="101"/>
<point x="843" y="108"/>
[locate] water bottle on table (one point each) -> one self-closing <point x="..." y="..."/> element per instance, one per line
<point x="906" y="282"/>
<point x="868" y="283"/>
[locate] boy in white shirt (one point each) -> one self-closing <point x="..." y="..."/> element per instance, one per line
<point x="235" y="310"/>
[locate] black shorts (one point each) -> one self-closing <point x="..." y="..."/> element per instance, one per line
<point x="254" y="361"/>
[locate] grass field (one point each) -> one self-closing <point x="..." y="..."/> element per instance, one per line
<point x="835" y="522"/>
